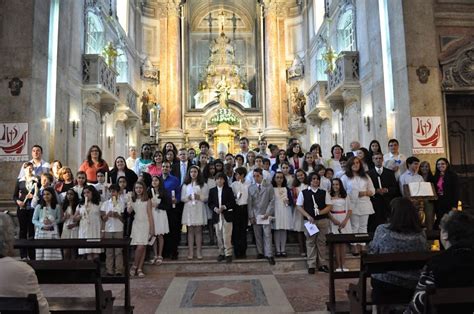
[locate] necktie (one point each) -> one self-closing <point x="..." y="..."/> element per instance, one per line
<point x="259" y="188"/>
<point x="183" y="171"/>
<point x="379" y="171"/>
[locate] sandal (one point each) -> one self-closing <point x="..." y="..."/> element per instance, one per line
<point x="158" y="260"/>
<point x="140" y="273"/>
<point x="133" y="271"/>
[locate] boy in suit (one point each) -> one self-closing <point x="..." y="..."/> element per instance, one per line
<point x="261" y="202"/>
<point x="222" y="202"/>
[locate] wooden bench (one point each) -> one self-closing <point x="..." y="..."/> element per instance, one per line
<point x="91" y="243"/>
<point x="15" y="305"/>
<point x="333" y="305"/>
<point x="382" y="263"/>
<point x="452" y="297"/>
<point x="74" y="272"/>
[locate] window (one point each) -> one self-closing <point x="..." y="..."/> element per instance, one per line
<point x="319" y="14"/>
<point x="122" y="66"/>
<point x="94" y="34"/>
<point x="345" y="32"/>
<point x="122" y="14"/>
<point x="321" y="65"/>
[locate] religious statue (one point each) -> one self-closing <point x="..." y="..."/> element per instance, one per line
<point x="298" y="101"/>
<point x="145" y="115"/>
<point x="110" y="53"/>
<point x="223" y="92"/>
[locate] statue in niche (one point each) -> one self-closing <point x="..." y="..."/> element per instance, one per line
<point x="148" y="102"/>
<point x="223" y="92"/>
<point x="298" y="101"/>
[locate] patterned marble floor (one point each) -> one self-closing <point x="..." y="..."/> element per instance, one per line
<point x="220" y="292"/>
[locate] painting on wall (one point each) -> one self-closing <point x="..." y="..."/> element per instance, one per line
<point x="427" y="137"/>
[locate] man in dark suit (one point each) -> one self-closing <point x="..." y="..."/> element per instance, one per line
<point x="179" y="170"/>
<point x="386" y="189"/>
<point x="222" y="203"/>
<point x="355" y="145"/>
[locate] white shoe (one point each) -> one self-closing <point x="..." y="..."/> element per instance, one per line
<point x="345" y="269"/>
<point x="338" y="270"/>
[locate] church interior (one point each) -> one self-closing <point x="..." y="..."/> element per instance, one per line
<point x="124" y="74"/>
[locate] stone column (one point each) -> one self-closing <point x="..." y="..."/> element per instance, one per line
<point x="273" y="106"/>
<point x="173" y="108"/>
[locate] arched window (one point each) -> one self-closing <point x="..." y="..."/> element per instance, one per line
<point x="122" y="14"/>
<point x="345" y="31"/>
<point x="321" y="65"/>
<point x="94" y="34"/>
<point x="122" y="66"/>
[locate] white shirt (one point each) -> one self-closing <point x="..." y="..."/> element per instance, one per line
<point x="267" y="176"/>
<point x="325" y="184"/>
<point x="131" y="163"/>
<point x="391" y="160"/>
<point x="113" y="224"/>
<point x="300" y="199"/>
<point x="360" y="205"/>
<point x="18" y="279"/>
<point x="219" y="196"/>
<point x="243" y="189"/>
<point x="409" y="177"/>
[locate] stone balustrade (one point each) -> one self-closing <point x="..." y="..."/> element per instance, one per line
<point x="345" y="75"/>
<point x="318" y="109"/>
<point x="98" y="76"/>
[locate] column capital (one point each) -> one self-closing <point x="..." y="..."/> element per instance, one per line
<point x="273" y="7"/>
<point x="351" y="95"/>
<point x="173" y="8"/>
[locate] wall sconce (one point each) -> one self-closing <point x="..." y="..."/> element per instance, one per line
<point x="110" y="138"/>
<point x="367" y="122"/>
<point x="75" y="127"/>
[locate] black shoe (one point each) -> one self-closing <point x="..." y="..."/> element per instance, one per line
<point x="311" y="271"/>
<point x="271" y="260"/>
<point x="283" y="254"/>
<point x="220" y="258"/>
<point x="228" y="259"/>
<point x="109" y="275"/>
<point x="278" y="254"/>
<point x="260" y="256"/>
<point x="118" y="274"/>
<point x="323" y="269"/>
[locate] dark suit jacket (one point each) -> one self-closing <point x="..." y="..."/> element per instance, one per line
<point x="130" y="175"/>
<point x="176" y="169"/>
<point x="451" y="190"/>
<point x="228" y="200"/>
<point x="388" y="180"/>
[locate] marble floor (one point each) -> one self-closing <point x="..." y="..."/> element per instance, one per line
<point x="257" y="292"/>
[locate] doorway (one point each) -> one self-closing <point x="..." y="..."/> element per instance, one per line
<point x="460" y="121"/>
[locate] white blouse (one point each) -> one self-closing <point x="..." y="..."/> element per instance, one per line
<point x="360" y="205"/>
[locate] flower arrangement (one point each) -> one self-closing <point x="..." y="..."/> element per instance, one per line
<point x="224" y="115"/>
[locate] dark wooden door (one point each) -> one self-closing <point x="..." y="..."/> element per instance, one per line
<point x="460" y="116"/>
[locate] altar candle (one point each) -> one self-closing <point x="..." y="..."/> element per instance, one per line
<point x="86" y="200"/>
<point x="106" y="177"/>
<point x="173" y="195"/>
<point x="153" y="192"/>
<point x="193" y="198"/>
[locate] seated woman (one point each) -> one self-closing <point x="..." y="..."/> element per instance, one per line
<point x="403" y="233"/>
<point x="17" y="279"/>
<point x="451" y="268"/>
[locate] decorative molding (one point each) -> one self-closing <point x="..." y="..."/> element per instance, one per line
<point x="458" y="69"/>
<point x="423" y="74"/>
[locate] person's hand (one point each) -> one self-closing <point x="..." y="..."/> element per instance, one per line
<point x="336" y="222"/>
<point x="253" y="221"/>
<point x="197" y="197"/>
<point x="173" y="200"/>
<point x="152" y="231"/>
<point x="20" y="203"/>
<point x="29" y="196"/>
<point x="395" y="168"/>
<point x="46" y="221"/>
<point x="265" y="217"/>
<point x="343" y="224"/>
<point x="310" y="219"/>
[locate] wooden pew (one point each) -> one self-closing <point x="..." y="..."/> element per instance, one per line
<point x="91" y="243"/>
<point x="333" y="305"/>
<point x="450" y="297"/>
<point x="74" y="272"/>
<point x="15" y="305"/>
<point x="381" y="263"/>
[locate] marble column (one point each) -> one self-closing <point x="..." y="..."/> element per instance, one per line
<point x="173" y="80"/>
<point x="273" y="101"/>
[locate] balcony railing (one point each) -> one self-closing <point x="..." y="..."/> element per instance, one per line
<point x="318" y="109"/>
<point x="127" y="96"/>
<point x="344" y="76"/>
<point x="99" y="76"/>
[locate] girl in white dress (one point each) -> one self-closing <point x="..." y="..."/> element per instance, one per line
<point x="160" y="202"/>
<point x="340" y="219"/>
<point x="143" y="225"/>
<point x="325" y="183"/>
<point x="81" y="182"/>
<point x="194" y="194"/>
<point x="70" y="227"/>
<point x="283" y="213"/>
<point x="299" y="184"/>
<point x="88" y="214"/>
<point x="360" y="188"/>
<point x="285" y="169"/>
<point x="309" y="164"/>
<point x="46" y="216"/>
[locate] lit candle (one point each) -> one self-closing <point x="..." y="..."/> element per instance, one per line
<point x="380" y="182"/>
<point x="173" y="196"/>
<point x="153" y="192"/>
<point x="106" y="177"/>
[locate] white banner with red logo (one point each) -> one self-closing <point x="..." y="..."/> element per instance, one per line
<point x="14" y="142"/>
<point x="427" y="136"/>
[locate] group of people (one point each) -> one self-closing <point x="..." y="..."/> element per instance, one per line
<point x="150" y="196"/>
<point x="272" y="191"/>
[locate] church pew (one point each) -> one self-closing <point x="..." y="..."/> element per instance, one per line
<point x="381" y="263"/>
<point x="451" y="298"/>
<point x="74" y="272"/>
<point x="331" y="240"/>
<point x="91" y="243"/>
<point x="14" y="305"/>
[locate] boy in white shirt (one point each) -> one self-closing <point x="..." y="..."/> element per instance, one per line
<point x="111" y="212"/>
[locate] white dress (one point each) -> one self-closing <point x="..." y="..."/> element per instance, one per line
<point x="194" y="212"/>
<point x="39" y="215"/>
<point x="298" y="221"/>
<point x="359" y="205"/>
<point x="89" y="226"/>
<point x="70" y="233"/>
<point x="283" y="212"/>
<point x="340" y="207"/>
<point x="160" y="217"/>
<point x="141" y="225"/>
